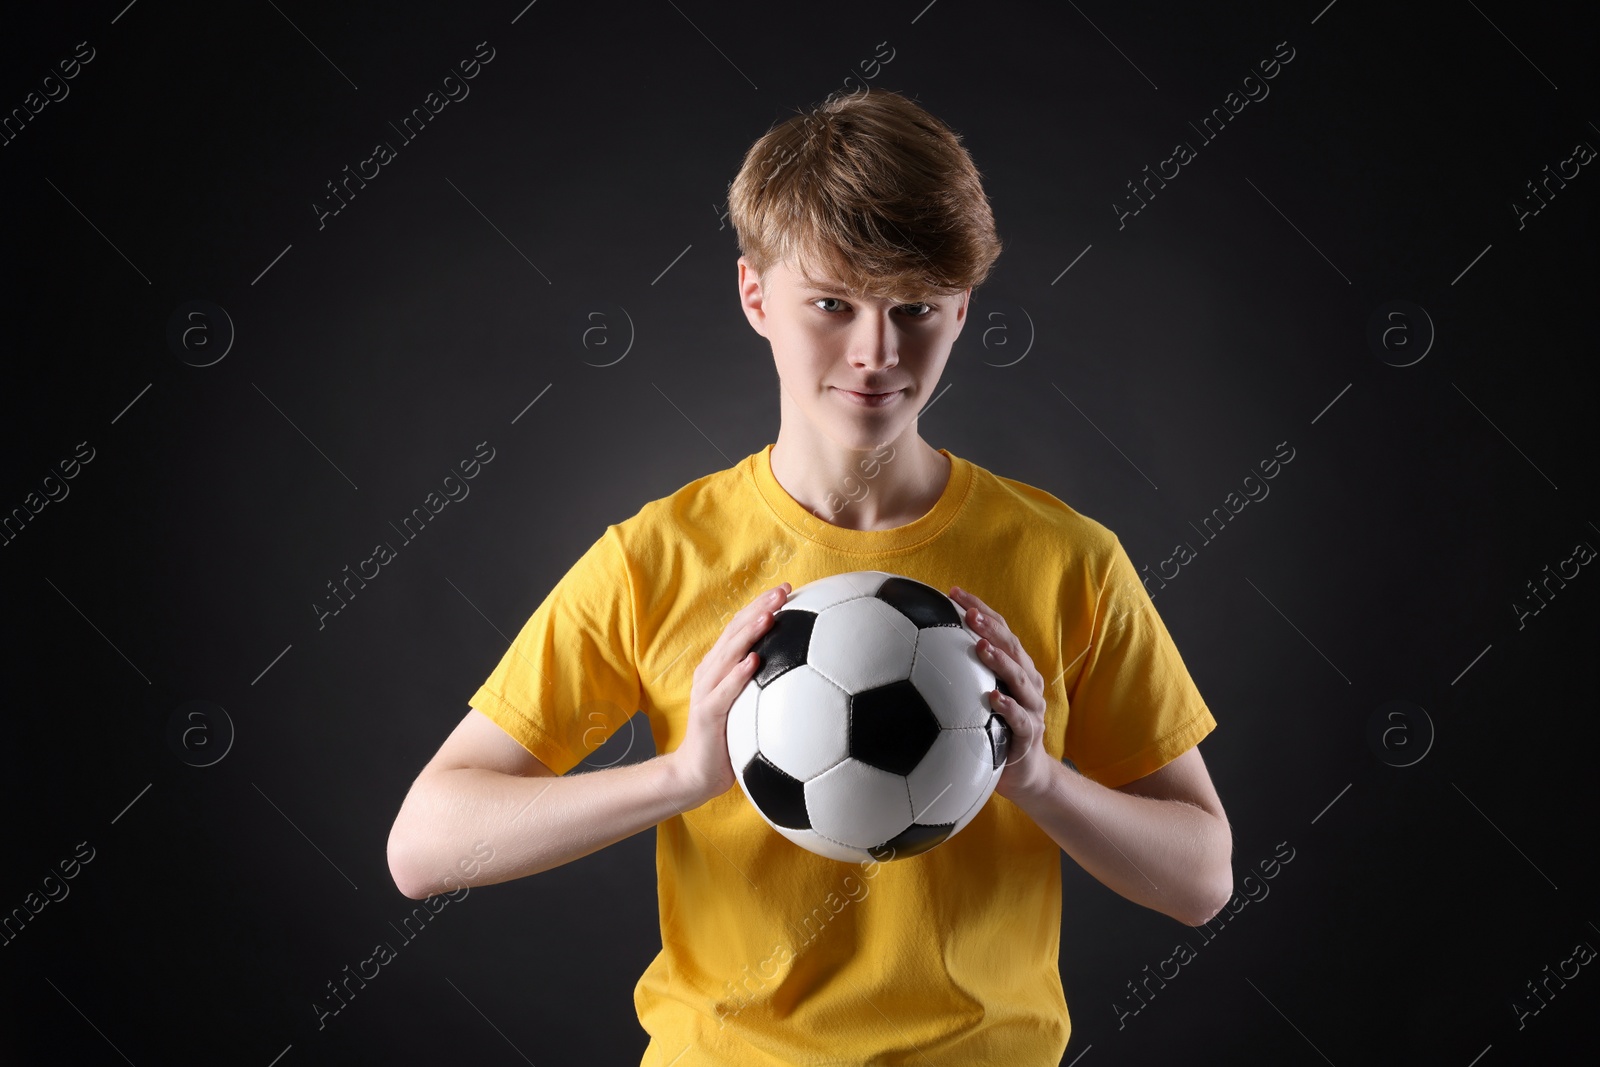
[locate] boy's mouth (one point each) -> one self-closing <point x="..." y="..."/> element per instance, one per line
<point x="871" y="400"/>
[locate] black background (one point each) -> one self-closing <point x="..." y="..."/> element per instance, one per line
<point x="585" y="174"/>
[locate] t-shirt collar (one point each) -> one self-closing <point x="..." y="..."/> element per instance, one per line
<point x="790" y="513"/>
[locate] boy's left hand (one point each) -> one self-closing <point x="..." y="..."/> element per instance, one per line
<point x="1027" y="763"/>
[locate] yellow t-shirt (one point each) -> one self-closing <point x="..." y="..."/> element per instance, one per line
<point x="772" y="955"/>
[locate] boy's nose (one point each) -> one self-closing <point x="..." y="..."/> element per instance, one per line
<point x="872" y="345"/>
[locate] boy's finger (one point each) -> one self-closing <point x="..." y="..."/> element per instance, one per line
<point x="741" y="619"/>
<point x="735" y="641"/>
<point x="771" y="600"/>
<point x="968" y="601"/>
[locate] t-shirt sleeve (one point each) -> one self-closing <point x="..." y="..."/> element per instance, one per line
<point x="569" y="679"/>
<point x="1133" y="708"/>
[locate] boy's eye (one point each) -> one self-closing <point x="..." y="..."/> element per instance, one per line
<point x="927" y="309"/>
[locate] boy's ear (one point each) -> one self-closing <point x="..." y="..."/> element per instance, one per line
<point x="961" y="311"/>
<point x="751" y="296"/>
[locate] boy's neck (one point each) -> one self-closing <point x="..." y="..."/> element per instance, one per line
<point x="901" y="482"/>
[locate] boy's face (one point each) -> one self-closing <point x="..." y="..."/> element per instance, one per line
<point x="830" y="347"/>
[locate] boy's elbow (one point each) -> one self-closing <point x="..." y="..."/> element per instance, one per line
<point x="1216" y="890"/>
<point x="1212" y="903"/>
<point x="408" y="887"/>
<point x="403" y="870"/>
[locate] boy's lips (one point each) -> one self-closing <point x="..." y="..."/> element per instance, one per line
<point x="870" y="400"/>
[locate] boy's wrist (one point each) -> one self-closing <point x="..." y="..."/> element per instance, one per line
<point x="678" y="784"/>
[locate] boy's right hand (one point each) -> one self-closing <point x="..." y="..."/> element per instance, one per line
<point x="701" y="760"/>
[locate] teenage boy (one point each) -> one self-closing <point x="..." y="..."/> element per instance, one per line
<point x="863" y="229"/>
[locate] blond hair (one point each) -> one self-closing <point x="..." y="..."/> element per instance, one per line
<point x="871" y="190"/>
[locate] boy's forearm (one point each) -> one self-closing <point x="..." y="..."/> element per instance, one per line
<point x="1165" y="854"/>
<point x="470" y="826"/>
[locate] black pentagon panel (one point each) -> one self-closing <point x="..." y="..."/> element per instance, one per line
<point x="913" y="840"/>
<point x="999" y="738"/>
<point x="1005" y="690"/>
<point x="780" y="798"/>
<point x="783" y="647"/>
<point x="892" y="727"/>
<point x="922" y="604"/>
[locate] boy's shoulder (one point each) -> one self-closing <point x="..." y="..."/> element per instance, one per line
<point x="1026" y="508"/>
<point x="712" y="506"/>
<point x="1042" y="502"/>
<point x="708" y="499"/>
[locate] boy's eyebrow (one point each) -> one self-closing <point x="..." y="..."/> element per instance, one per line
<point x="827" y="285"/>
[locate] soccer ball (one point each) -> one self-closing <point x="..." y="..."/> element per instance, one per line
<point x="866" y="730"/>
